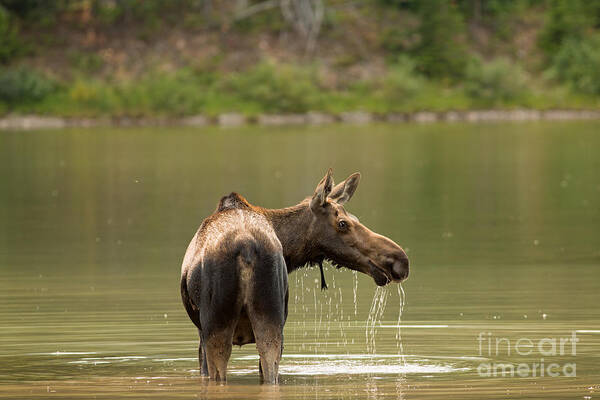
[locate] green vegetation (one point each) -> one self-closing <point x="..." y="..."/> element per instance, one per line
<point x="496" y="82"/>
<point x="22" y="86"/>
<point x="577" y="62"/>
<point x="185" y="57"/>
<point x="441" y="51"/>
<point x="9" y="43"/>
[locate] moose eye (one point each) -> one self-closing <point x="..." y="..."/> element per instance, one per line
<point x="342" y="225"/>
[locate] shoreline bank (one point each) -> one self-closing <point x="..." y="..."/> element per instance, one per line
<point x="27" y="122"/>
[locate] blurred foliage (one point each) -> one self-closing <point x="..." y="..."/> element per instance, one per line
<point x="570" y="39"/>
<point x="398" y="39"/>
<point x="496" y="82"/>
<point x="22" y="85"/>
<point x="441" y="51"/>
<point x="33" y="8"/>
<point x="384" y="56"/>
<point x="267" y="21"/>
<point x="568" y="19"/>
<point x="181" y="93"/>
<point x="577" y="63"/>
<point x="9" y="41"/>
<point x="401" y="83"/>
<point x="276" y="88"/>
<point x="84" y="61"/>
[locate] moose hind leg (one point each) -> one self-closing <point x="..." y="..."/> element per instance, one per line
<point x="217" y="346"/>
<point x="269" y="343"/>
<point x="267" y="311"/>
<point x="202" y="357"/>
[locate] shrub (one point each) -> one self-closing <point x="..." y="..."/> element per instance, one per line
<point x="498" y="81"/>
<point x="84" y="95"/>
<point x="577" y="63"/>
<point x="23" y="85"/>
<point x="276" y="88"/>
<point x="401" y="83"/>
<point x="181" y="93"/>
<point x="156" y="93"/>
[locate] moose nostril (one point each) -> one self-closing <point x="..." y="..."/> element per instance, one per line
<point x="400" y="268"/>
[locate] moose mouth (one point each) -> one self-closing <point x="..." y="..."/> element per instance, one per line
<point x="379" y="275"/>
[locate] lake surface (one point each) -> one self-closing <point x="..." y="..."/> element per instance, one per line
<point x="501" y="223"/>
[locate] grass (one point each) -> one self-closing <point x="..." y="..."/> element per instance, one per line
<point x="281" y="88"/>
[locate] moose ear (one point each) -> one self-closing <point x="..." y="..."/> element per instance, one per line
<point x="343" y="191"/>
<point x="322" y="191"/>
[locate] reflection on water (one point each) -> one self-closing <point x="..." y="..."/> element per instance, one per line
<point x="501" y="222"/>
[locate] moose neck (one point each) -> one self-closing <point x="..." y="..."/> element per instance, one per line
<point x="292" y="226"/>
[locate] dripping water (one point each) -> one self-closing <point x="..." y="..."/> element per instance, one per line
<point x="333" y="325"/>
<point x="317" y="327"/>
<point x="341" y="319"/>
<point x="355" y="274"/>
<point x="400" y="347"/>
<point x="295" y="306"/>
<point x="375" y="314"/>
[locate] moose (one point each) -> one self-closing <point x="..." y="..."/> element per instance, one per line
<point x="234" y="273"/>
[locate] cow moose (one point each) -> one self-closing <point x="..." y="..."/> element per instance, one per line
<point x="234" y="274"/>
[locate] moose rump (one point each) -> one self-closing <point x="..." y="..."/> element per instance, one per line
<point x="235" y="290"/>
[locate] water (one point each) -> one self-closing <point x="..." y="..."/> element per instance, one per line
<point x="501" y="223"/>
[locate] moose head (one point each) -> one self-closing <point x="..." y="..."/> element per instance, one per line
<point x="339" y="236"/>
